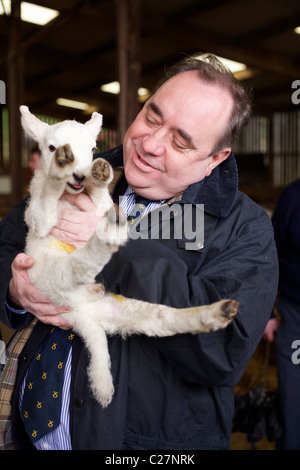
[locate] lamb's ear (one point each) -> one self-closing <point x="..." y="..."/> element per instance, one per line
<point x="94" y="124"/>
<point x="32" y="125"/>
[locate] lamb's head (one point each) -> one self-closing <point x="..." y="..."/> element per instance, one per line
<point x="69" y="142"/>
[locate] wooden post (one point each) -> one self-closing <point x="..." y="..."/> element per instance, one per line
<point x="14" y="95"/>
<point x="129" y="64"/>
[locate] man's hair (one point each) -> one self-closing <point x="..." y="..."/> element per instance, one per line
<point x="212" y="71"/>
<point x="35" y="149"/>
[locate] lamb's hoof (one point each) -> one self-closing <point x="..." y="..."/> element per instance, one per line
<point x="230" y="309"/>
<point x="101" y="170"/>
<point x="64" y="155"/>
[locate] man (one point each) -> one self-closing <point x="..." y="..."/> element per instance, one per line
<point x="286" y="334"/>
<point x="34" y="159"/>
<point x="177" y="392"/>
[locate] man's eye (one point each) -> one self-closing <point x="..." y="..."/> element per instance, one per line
<point x="150" y="121"/>
<point x="179" y="145"/>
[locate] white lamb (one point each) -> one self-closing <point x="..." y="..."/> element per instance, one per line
<point x="68" y="276"/>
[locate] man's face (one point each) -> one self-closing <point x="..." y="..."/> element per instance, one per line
<point x="167" y="147"/>
<point x="34" y="161"/>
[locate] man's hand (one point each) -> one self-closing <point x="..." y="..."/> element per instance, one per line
<point x="76" y="227"/>
<point x="24" y="294"/>
<point x="271" y="329"/>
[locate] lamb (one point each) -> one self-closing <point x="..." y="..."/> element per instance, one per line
<point x="67" y="276"/>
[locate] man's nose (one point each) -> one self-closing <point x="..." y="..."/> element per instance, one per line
<point x="154" y="143"/>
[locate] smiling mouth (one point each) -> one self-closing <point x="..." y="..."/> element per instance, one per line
<point x="145" y="163"/>
<point x="76" y="187"/>
<point x="142" y="160"/>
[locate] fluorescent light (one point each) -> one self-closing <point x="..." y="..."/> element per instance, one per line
<point x="30" y="13"/>
<point x="72" y="104"/>
<point x="144" y="94"/>
<point x="5" y="7"/>
<point x="297" y="30"/>
<point x="143" y="91"/>
<point x="232" y="64"/>
<point x="112" y="87"/>
<point x="239" y="70"/>
<point x="37" y="14"/>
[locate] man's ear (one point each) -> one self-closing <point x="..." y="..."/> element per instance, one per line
<point x="216" y="159"/>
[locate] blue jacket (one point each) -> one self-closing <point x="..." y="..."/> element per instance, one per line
<point x="286" y="223"/>
<point x="177" y="392"/>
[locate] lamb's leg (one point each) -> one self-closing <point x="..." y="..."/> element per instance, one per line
<point x="89" y="260"/>
<point x="42" y="212"/>
<point x="159" y="320"/>
<point x="97" y="183"/>
<point x="95" y="341"/>
<point x="81" y="266"/>
<point x="111" y="232"/>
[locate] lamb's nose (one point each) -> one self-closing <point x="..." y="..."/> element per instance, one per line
<point x="78" y="178"/>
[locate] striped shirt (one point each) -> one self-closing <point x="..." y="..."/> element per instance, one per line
<point x="127" y="202"/>
<point x="60" y="438"/>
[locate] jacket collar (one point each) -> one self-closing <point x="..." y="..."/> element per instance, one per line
<point x="217" y="191"/>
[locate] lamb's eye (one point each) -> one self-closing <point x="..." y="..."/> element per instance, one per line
<point x="51" y="148"/>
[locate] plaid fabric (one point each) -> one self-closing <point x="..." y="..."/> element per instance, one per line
<point x="7" y="382"/>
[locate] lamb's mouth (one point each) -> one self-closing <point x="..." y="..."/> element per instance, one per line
<point x="76" y="187"/>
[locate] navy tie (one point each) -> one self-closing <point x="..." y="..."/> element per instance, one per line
<point x="41" y="405"/>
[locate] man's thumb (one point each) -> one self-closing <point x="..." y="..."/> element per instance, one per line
<point x="23" y="261"/>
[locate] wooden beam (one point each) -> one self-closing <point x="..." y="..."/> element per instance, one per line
<point x="128" y="14"/>
<point x="195" y="9"/>
<point x="206" y="40"/>
<point x="268" y="31"/>
<point x="14" y="95"/>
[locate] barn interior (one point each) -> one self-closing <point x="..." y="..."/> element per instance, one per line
<point x="106" y="55"/>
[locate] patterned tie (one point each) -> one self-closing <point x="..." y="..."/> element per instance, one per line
<point x="138" y="208"/>
<point x="41" y="405"/>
